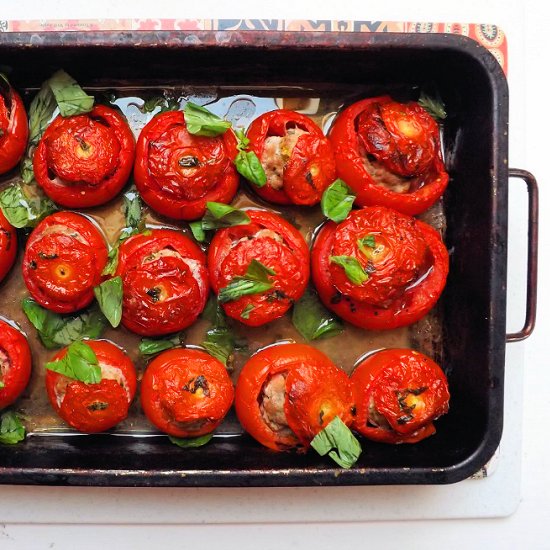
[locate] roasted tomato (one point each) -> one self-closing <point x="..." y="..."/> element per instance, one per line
<point x="402" y="263"/>
<point x="93" y="408"/>
<point x="165" y="282"/>
<point x="275" y="243"/>
<point x="85" y="160"/>
<point x="14" y="127"/>
<point x="63" y="261"/>
<point x="186" y="392"/>
<point x="8" y="246"/>
<point x="296" y="156"/>
<point x="176" y="172"/>
<point x="398" y="394"/>
<point x="15" y="364"/>
<point x="286" y="394"/>
<point x="389" y="154"/>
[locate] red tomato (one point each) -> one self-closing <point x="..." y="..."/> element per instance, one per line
<point x="63" y="261"/>
<point x="8" y="246"/>
<point x="85" y="160"/>
<point x="276" y="244"/>
<point x="297" y="158"/>
<point x="398" y="394"/>
<point x="14" y="130"/>
<point x="389" y="154"/>
<point x="186" y="392"/>
<point x="286" y="394"/>
<point x="15" y="364"/>
<point x="165" y="282"/>
<point x="93" y="408"/>
<point x="177" y="172"/>
<point x="407" y="266"/>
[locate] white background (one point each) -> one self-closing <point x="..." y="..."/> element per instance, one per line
<point x="525" y="25"/>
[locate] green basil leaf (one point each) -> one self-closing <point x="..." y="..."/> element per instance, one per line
<point x="369" y="240"/>
<point x="193" y="442"/>
<point x="249" y="166"/>
<point x="132" y="209"/>
<point x="255" y="281"/>
<point x="312" y="320"/>
<point x="214" y="313"/>
<point x="152" y="346"/>
<point x="80" y="363"/>
<point x="242" y="141"/>
<point x="27" y="172"/>
<point x="354" y="272"/>
<point x="165" y="104"/>
<point x="259" y="272"/>
<point x="70" y="97"/>
<point x="41" y="112"/>
<point x="112" y="261"/>
<point x="337" y="440"/>
<point x="337" y="201"/>
<point x="22" y="210"/>
<point x="201" y="122"/>
<point x="12" y="430"/>
<point x="109" y="298"/>
<point x="220" y="343"/>
<point x="433" y="104"/>
<point x="245" y="313"/>
<point x="198" y="232"/>
<point x="220" y="215"/>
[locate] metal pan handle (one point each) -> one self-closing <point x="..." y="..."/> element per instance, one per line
<point x="532" y="255"/>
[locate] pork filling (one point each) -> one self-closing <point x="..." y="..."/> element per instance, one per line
<point x="272" y="404"/>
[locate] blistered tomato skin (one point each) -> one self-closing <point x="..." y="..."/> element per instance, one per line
<point x="14" y="130"/>
<point x="186" y="392"/>
<point x="85" y="160"/>
<point x="8" y="246"/>
<point x="15" y="364"/>
<point x="296" y="156"/>
<point x="64" y="258"/>
<point x="93" y="408"/>
<point x="405" y="260"/>
<point x="177" y="173"/>
<point x="165" y="282"/>
<point x="286" y="394"/>
<point x="398" y="394"/>
<point x="276" y="244"/>
<point x="389" y="154"/>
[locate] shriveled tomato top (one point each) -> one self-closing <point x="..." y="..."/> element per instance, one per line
<point x="186" y="392"/>
<point x="8" y="246"/>
<point x="14" y="129"/>
<point x="63" y="262"/>
<point x="165" y="282"/>
<point x="398" y="394"/>
<point x="177" y="172"/>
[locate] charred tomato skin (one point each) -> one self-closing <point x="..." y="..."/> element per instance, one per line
<point x="316" y="391"/>
<point x="84" y="160"/>
<point x="15" y="132"/>
<point x="8" y="246"/>
<point x="15" y="363"/>
<point x="413" y="301"/>
<point x="310" y="167"/>
<point x="186" y="392"/>
<point x="350" y="160"/>
<point x="281" y="248"/>
<point x="93" y="408"/>
<point x="177" y="173"/>
<point x="408" y="389"/>
<point x="165" y="282"/>
<point x="64" y="258"/>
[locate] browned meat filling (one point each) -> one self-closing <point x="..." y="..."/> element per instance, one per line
<point x="272" y="404"/>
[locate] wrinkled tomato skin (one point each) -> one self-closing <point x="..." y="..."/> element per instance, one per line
<point x="8" y="246"/>
<point x="410" y="305"/>
<point x="312" y="151"/>
<point x="93" y="408"/>
<point x="316" y="391"/>
<point x="64" y="258"/>
<point x="182" y="192"/>
<point x="350" y="165"/>
<point x="388" y="376"/>
<point x="15" y="132"/>
<point x="233" y="248"/>
<point x="186" y="392"/>
<point x="85" y="160"/>
<point x="165" y="282"/>
<point x="15" y="363"/>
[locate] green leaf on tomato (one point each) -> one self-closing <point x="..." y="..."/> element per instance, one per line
<point x="245" y="313"/>
<point x="354" y="271"/>
<point x="12" y="430"/>
<point x="79" y="363"/>
<point x="132" y="209"/>
<point x="337" y="201"/>
<point x="201" y="122"/>
<point x="255" y="281"/>
<point x="23" y="210"/>
<point x="191" y="442"/>
<point x="220" y="343"/>
<point x="247" y="162"/>
<point x="214" y="313"/>
<point x="218" y="215"/>
<point x="337" y="440"/>
<point x="69" y="96"/>
<point x="312" y="320"/>
<point x="109" y="298"/>
<point x="152" y="346"/>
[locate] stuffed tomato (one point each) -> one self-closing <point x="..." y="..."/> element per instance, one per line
<point x="8" y="246"/>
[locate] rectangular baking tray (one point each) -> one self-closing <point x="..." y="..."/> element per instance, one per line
<point x="470" y="317"/>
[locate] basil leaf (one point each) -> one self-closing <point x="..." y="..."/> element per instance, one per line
<point x="56" y="331"/>
<point x="41" y="112"/>
<point x="312" y="320"/>
<point x="22" y="210"/>
<point x="338" y="442"/>
<point x="259" y="272"/>
<point x="109" y="298"/>
<point x="165" y="104"/>
<point x="80" y="363"/>
<point x="152" y="346"/>
<point x="132" y="209"/>
<point x="255" y="281"/>
<point x="70" y="97"/>
<point x="249" y="166"/>
<point x="337" y="201"/>
<point x="217" y="216"/>
<point x="220" y="343"/>
<point x="112" y="261"/>
<point x="245" y="313"/>
<point x="433" y="105"/>
<point x="190" y="443"/>
<point x="27" y="172"/>
<point x="201" y="122"/>
<point x="12" y="430"/>
<point x="354" y="272"/>
<point x="213" y="313"/>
